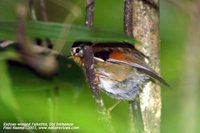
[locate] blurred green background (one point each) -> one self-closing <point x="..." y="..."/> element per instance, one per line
<point x="65" y="97"/>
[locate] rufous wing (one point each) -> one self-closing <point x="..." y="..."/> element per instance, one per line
<point x="133" y="61"/>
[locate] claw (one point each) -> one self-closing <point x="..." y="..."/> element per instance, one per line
<point x="109" y="110"/>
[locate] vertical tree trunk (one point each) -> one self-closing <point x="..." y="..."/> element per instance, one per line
<point x="191" y="78"/>
<point x="146" y="30"/>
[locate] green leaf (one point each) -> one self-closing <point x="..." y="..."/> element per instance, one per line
<point x="6" y="94"/>
<point x="69" y="33"/>
<point x="9" y="54"/>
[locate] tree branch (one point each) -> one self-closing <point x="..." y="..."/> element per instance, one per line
<point x="89" y="13"/>
<point x="146" y="30"/>
<point x="43" y="65"/>
<point x="43" y="10"/>
<point x="89" y="67"/>
<point x="128" y="12"/>
<point x="135" y="117"/>
<point x="190" y="79"/>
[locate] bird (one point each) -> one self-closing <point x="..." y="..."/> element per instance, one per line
<point x="121" y="70"/>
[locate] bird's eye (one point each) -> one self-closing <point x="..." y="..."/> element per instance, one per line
<point x="77" y="50"/>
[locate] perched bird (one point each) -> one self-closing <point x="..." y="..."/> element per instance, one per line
<point x="120" y="69"/>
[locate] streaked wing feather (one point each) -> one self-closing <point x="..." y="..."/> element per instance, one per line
<point x="111" y="52"/>
<point x="142" y="67"/>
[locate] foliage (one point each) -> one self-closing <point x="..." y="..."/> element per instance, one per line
<point x="64" y="96"/>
